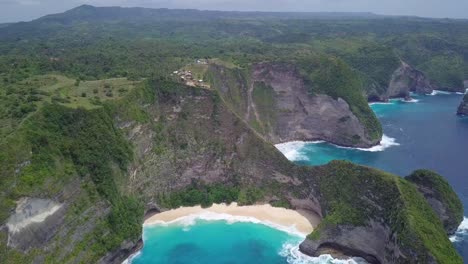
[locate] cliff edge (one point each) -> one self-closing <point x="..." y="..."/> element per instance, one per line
<point x="284" y="102"/>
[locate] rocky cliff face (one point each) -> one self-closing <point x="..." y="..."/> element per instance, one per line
<point x="277" y="102"/>
<point x="367" y="242"/>
<point x="360" y="218"/>
<point x="463" y="108"/>
<point x="188" y="138"/>
<point x="34" y="221"/>
<point x="439" y="195"/>
<point x="406" y="79"/>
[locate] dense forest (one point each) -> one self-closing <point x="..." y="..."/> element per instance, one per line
<point x="88" y="97"/>
<point x="95" y="43"/>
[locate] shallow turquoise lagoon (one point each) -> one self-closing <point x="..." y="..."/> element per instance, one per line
<point x="222" y="241"/>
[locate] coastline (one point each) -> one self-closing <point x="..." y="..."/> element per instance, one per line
<point x="300" y="222"/>
<point x="291" y="149"/>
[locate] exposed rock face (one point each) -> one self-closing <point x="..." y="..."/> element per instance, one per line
<point x="370" y="242"/>
<point x="463" y="108"/>
<point x="406" y="79"/>
<point x="34" y="222"/>
<point x="440" y="195"/>
<point x="118" y="256"/>
<point x="204" y="142"/>
<point x="278" y="104"/>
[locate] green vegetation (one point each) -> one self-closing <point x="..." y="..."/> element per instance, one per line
<point x="442" y="191"/>
<point x="333" y="77"/>
<point x="264" y="98"/>
<point x="19" y="99"/>
<point x="66" y="143"/>
<point x="67" y="79"/>
<point x="422" y="222"/>
<point x="200" y="194"/>
<point x="406" y="210"/>
<point x="448" y="70"/>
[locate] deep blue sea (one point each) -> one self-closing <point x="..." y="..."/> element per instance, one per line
<point x="424" y="133"/>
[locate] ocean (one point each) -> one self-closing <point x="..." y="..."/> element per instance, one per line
<point x="423" y="133"/>
<point x="226" y="241"/>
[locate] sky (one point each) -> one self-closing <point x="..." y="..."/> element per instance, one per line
<point x="25" y="10"/>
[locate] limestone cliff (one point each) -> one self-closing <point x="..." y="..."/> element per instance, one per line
<point x="406" y="79"/>
<point x="186" y="142"/>
<point x="277" y="101"/>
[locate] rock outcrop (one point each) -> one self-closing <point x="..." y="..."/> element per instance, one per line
<point x="440" y="196"/>
<point x="368" y="242"/>
<point x="34" y="222"/>
<point x="278" y="103"/>
<point x="407" y="79"/>
<point x="463" y="108"/>
<point x="191" y="138"/>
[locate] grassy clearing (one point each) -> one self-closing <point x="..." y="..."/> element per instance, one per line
<point x="19" y="100"/>
<point x="87" y="94"/>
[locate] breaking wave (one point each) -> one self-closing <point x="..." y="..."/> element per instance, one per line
<point x="461" y="231"/>
<point x="191" y="219"/>
<point x="381" y="103"/>
<point x="411" y="100"/>
<point x="291" y="150"/>
<point x="436" y="92"/>
<point x="293" y="256"/>
<point x="385" y="143"/>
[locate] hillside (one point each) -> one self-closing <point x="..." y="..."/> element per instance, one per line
<point x="314" y="99"/>
<point x="168" y="145"/>
<point x="98" y="128"/>
<point x="87" y="41"/>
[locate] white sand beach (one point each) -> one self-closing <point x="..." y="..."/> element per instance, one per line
<point x="302" y="221"/>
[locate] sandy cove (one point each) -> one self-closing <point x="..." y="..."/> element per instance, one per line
<point x="302" y="221"/>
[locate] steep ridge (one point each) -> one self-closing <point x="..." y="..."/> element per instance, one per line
<point x="437" y="192"/>
<point x="283" y="105"/>
<point x="403" y="81"/>
<point x="368" y="203"/>
<point x="190" y="148"/>
<point x="407" y="79"/>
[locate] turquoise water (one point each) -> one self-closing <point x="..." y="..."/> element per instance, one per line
<point x="219" y="241"/>
<point x="422" y="134"/>
<point x="213" y="242"/>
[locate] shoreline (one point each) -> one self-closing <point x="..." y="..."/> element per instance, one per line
<point x="300" y="222"/>
<point x="291" y="149"/>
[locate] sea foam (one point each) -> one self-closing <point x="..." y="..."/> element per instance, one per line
<point x="191" y="219"/>
<point x="291" y="150"/>
<point x="436" y="92"/>
<point x="461" y="231"/>
<point x="411" y="100"/>
<point x="385" y="143"/>
<point x="292" y="254"/>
